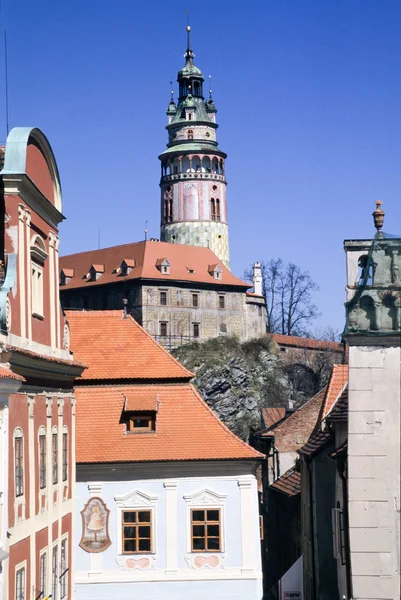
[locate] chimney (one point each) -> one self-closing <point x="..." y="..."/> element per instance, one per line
<point x="257" y="279"/>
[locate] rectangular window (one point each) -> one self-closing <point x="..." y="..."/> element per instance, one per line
<point x="42" y="461"/>
<point x="55" y="457"/>
<point x="163" y="329"/>
<point x="140" y="423"/>
<point x="163" y="298"/>
<point x="136" y="531"/>
<point x="64" y="570"/>
<point x="196" y="330"/>
<point x="222" y="302"/>
<point x="195" y="300"/>
<point x="65" y="456"/>
<point x="20" y="584"/>
<point x="43" y="574"/>
<point x="54" y="573"/>
<point x="19" y="466"/>
<point x="205" y="530"/>
<point x="37" y="289"/>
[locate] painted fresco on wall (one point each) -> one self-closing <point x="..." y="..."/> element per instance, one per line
<point x="95" y="526"/>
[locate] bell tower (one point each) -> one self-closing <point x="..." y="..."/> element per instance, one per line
<point x="193" y="183"/>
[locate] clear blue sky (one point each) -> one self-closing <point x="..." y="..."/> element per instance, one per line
<point x="308" y="94"/>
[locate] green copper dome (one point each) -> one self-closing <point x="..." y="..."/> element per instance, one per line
<point x="190" y="70"/>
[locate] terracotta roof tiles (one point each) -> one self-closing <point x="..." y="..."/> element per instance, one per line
<point x="294" y="432"/>
<point x="308" y="343"/>
<point x="337" y="383"/>
<point x="115" y="347"/>
<point x="186" y="428"/>
<point x="146" y="255"/>
<point x="6" y="373"/>
<point x="289" y="483"/>
<point x="271" y="416"/>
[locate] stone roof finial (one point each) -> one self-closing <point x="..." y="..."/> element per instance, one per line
<point x="378" y="216"/>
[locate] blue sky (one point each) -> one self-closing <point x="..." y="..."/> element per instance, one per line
<point x="308" y="94"/>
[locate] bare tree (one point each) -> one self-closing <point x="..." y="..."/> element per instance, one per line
<point x="288" y="292"/>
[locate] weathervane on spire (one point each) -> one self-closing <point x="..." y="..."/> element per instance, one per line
<point x="210" y="87"/>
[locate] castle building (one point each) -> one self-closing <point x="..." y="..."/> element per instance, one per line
<point x="193" y="183"/>
<point x="37" y="374"/>
<point x="178" y="293"/>
<point x="180" y="289"/>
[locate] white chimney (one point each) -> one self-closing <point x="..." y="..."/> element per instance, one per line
<point x="257" y="279"/>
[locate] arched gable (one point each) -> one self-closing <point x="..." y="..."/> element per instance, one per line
<point x="28" y="151"/>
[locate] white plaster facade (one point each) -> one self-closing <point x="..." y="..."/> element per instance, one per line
<point x="172" y="570"/>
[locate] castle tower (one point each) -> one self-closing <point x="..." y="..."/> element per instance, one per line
<point x="373" y="333"/>
<point x="193" y="184"/>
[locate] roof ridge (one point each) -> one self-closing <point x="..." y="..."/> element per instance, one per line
<point x="159" y="346"/>
<point x="222" y="425"/>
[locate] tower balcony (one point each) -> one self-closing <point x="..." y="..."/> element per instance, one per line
<point x="192" y="175"/>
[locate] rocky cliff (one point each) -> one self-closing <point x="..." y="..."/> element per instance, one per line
<point x="238" y="379"/>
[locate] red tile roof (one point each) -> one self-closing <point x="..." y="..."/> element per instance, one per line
<point x="146" y="255"/>
<point x="289" y="483"/>
<point x="308" y="343"/>
<point x="271" y="416"/>
<point x="337" y="383"/>
<point x="186" y="428"/>
<point x="339" y="412"/>
<point x="318" y="440"/>
<point x="6" y="373"/>
<point x="294" y="432"/>
<point x="115" y="347"/>
<point x="141" y="400"/>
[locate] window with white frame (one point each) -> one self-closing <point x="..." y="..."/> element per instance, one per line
<point x="38" y="258"/>
<point x="205" y="522"/>
<point x="37" y="289"/>
<point x="20" y="584"/>
<point x="55" y="573"/>
<point x="42" y="458"/>
<point x="43" y="574"/>
<point x="65" y="455"/>
<point x="19" y="462"/>
<point x="55" y="456"/>
<point x="136" y="523"/>
<point x="63" y="569"/>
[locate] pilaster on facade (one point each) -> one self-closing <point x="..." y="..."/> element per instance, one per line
<point x="171" y="526"/>
<point x="247" y="532"/>
<point x="21" y="268"/>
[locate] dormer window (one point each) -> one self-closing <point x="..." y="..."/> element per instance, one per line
<point x="95" y="272"/>
<point x="140" y="413"/>
<point x="126" y="266"/>
<point x="216" y="271"/>
<point x="66" y="275"/>
<point x="141" y="423"/>
<point x="163" y="265"/>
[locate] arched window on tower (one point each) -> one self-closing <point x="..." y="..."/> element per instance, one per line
<point x="217" y="209"/>
<point x="213" y="209"/>
<point x="190" y="134"/>
<point x="196" y="88"/>
<point x="168" y="205"/>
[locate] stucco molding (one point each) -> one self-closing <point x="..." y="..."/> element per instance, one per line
<point x="137" y="562"/>
<point x="135" y="499"/>
<point x="205" y="561"/>
<point x="205" y="498"/>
